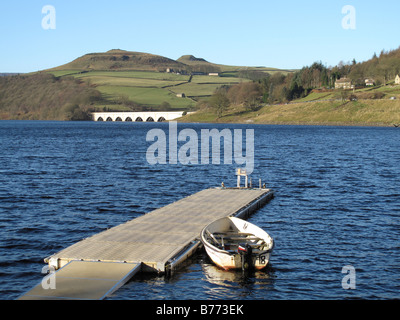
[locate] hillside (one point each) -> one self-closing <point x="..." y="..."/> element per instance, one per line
<point x="381" y="69"/>
<point x="353" y="113"/>
<point x="197" y="63"/>
<point x="367" y="106"/>
<point x="120" y="80"/>
<point x="44" y="97"/>
<point x="310" y="96"/>
<point x="140" y="81"/>
<point x="116" y="80"/>
<point x="121" y="60"/>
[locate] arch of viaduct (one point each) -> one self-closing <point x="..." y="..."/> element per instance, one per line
<point x="136" y="116"/>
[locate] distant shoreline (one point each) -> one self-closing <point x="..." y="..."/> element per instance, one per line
<point x="322" y="124"/>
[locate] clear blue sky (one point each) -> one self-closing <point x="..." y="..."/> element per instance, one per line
<point x="282" y="34"/>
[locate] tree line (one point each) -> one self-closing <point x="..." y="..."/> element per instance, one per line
<point x="271" y="89"/>
<point x="382" y="68"/>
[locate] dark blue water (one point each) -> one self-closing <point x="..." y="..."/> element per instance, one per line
<point x="337" y="203"/>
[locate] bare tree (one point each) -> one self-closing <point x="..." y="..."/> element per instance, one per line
<point x="219" y="102"/>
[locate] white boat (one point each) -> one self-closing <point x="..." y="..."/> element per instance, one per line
<point x="233" y="243"/>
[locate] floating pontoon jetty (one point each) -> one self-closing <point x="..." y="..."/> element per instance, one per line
<point x="158" y="241"/>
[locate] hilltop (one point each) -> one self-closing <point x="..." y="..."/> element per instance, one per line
<point x="199" y="64"/>
<point x="190" y="59"/>
<point x="121" y="60"/>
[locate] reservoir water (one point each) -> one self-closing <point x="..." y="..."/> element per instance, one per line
<point x="336" y="206"/>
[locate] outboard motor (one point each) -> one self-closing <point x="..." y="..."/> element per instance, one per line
<point x="245" y="252"/>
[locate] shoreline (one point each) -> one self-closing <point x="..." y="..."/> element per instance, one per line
<point x="310" y="124"/>
<point x="283" y="123"/>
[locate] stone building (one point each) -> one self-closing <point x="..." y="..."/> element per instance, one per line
<point x="343" y="83"/>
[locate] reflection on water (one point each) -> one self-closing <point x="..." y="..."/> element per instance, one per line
<point x="223" y="283"/>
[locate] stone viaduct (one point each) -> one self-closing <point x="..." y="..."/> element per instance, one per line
<point x="137" y="116"/>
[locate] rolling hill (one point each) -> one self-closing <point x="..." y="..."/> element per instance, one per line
<point x="131" y="80"/>
<point x="116" y="80"/>
<point x="120" y="60"/>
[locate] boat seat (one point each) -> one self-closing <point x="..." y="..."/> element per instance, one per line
<point x="232" y="234"/>
<point x="241" y="238"/>
<point x="237" y="238"/>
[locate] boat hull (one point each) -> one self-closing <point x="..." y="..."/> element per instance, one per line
<point x="233" y="261"/>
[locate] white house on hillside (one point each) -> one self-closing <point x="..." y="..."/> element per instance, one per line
<point x="344" y="83"/>
<point x="369" y="82"/>
<point x="397" y="80"/>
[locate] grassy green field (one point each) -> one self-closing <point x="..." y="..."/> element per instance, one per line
<point x="201" y="86"/>
<point x="136" y="74"/>
<point x="150" y="89"/>
<point x="131" y="82"/>
<point x="196" y="90"/>
<point x="369" y="112"/>
<point x="215" y="79"/>
<point x="62" y="73"/>
<point x="150" y="97"/>
<point x="313" y="96"/>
